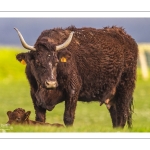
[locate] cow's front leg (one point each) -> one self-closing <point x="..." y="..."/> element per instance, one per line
<point x="40" y="112"/>
<point x="73" y="87"/>
<point x="70" y="107"/>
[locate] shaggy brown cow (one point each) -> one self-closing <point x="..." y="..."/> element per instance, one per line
<point x="84" y="64"/>
<point x="19" y="116"/>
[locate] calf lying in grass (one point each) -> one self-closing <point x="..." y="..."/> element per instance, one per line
<point x="19" y="116"/>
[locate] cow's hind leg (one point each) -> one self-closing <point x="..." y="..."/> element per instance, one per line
<point x="121" y="113"/>
<point x="121" y="109"/>
<point x="113" y="113"/>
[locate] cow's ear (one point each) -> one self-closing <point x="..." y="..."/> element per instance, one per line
<point x="8" y="113"/>
<point x="27" y="114"/>
<point x="65" y="57"/>
<point x="22" y="58"/>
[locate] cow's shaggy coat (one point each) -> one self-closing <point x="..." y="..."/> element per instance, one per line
<point x="97" y="65"/>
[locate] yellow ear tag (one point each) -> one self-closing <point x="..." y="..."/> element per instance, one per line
<point x="23" y="62"/>
<point x="63" y="59"/>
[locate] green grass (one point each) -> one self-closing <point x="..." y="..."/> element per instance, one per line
<point x="90" y="117"/>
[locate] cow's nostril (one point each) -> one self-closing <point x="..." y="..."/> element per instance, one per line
<point x="47" y="83"/>
<point x="51" y="84"/>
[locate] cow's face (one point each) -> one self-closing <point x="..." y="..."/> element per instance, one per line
<point x="42" y="59"/>
<point x="43" y="66"/>
<point x="17" y="117"/>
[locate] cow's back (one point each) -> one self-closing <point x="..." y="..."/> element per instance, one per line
<point x="100" y="58"/>
<point x="100" y="55"/>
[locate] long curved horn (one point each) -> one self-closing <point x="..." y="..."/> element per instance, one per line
<point x="23" y="42"/>
<point x="66" y="43"/>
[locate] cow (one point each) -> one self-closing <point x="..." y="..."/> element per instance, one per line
<point x="20" y="117"/>
<point x="82" y="64"/>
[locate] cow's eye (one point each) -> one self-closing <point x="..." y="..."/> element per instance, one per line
<point x="56" y="63"/>
<point x="37" y="62"/>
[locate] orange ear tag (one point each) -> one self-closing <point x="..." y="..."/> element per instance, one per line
<point x="23" y="62"/>
<point x="63" y="59"/>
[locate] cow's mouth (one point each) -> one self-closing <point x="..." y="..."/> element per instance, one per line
<point x="40" y="86"/>
<point x="45" y="106"/>
<point x="51" y="88"/>
<point x="50" y="108"/>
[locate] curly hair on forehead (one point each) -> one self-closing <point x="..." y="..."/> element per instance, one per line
<point x="19" y="110"/>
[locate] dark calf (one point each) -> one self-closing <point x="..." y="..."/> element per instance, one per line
<point x="19" y="116"/>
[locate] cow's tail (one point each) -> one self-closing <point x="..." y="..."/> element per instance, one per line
<point x="131" y="110"/>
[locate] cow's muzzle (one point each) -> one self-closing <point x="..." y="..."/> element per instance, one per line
<point x="51" y="84"/>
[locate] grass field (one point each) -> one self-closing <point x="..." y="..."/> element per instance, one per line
<point x="90" y="117"/>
